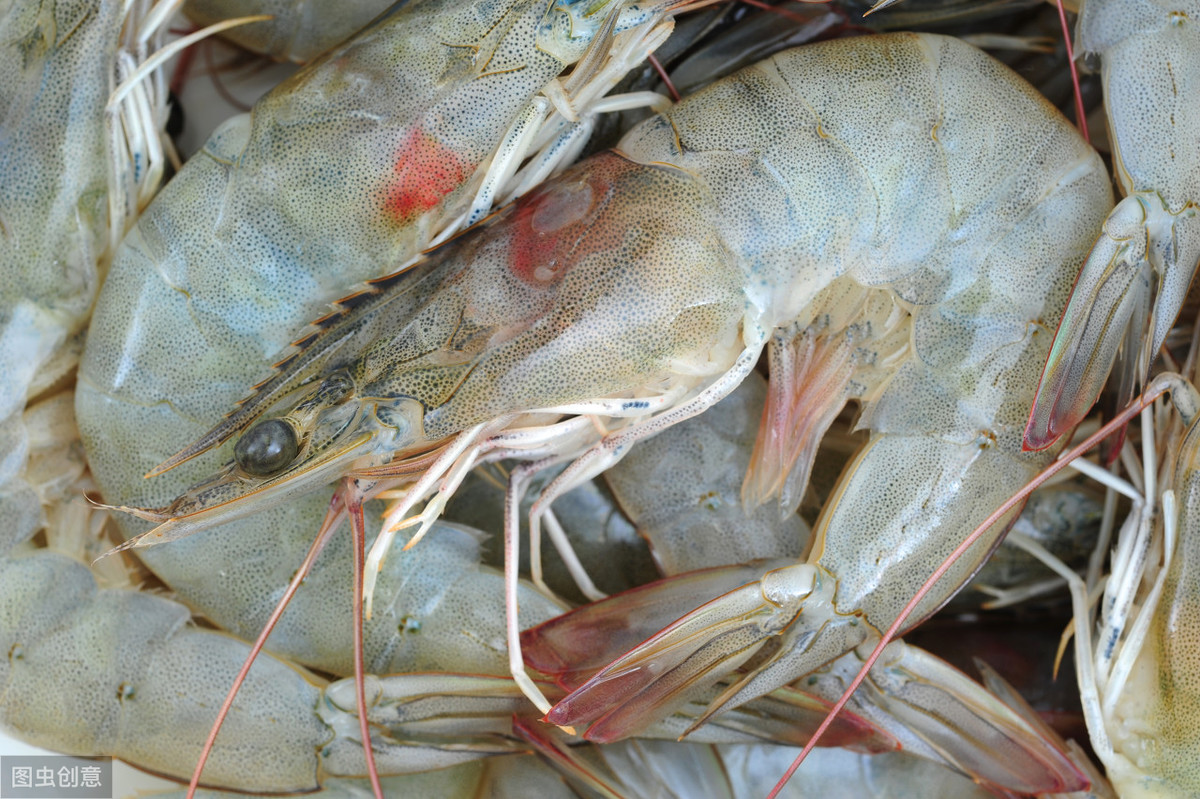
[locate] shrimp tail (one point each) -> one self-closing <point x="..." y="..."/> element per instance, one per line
<point x="1110" y="306"/>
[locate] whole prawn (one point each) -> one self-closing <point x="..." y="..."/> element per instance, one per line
<point x="640" y="287"/>
<point x="945" y="423"/>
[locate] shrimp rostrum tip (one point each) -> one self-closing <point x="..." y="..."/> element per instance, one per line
<point x="640" y="287"/>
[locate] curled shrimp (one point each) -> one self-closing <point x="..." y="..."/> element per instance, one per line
<point x="597" y="297"/>
<point x="911" y="493"/>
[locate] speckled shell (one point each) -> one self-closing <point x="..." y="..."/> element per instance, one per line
<point x="122" y="673"/>
<point x="1150" y="54"/>
<point x="1150" y="64"/>
<point x="53" y="211"/>
<point x="970" y="205"/>
<point x="55" y="77"/>
<point x="948" y="182"/>
<point x="945" y="180"/>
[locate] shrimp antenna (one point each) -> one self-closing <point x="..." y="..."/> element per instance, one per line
<point x="347" y="500"/>
<point x="1080" y="116"/>
<point x="1156" y="389"/>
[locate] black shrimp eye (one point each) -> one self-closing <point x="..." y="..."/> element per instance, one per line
<point x="266" y="448"/>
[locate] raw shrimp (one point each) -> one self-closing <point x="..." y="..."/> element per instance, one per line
<point x="945" y="445"/>
<point x="1150" y="52"/>
<point x="353" y="163"/>
<point x="649" y="280"/>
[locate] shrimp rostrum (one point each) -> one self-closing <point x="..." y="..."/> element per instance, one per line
<point x="641" y="286"/>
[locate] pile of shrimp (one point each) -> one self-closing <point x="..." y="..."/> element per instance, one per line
<point x="776" y="366"/>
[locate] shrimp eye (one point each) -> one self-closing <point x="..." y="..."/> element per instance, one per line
<point x="267" y="448"/>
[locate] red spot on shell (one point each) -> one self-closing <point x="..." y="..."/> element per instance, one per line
<point x="425" y="172"/>
<point x="545" y="229"/>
